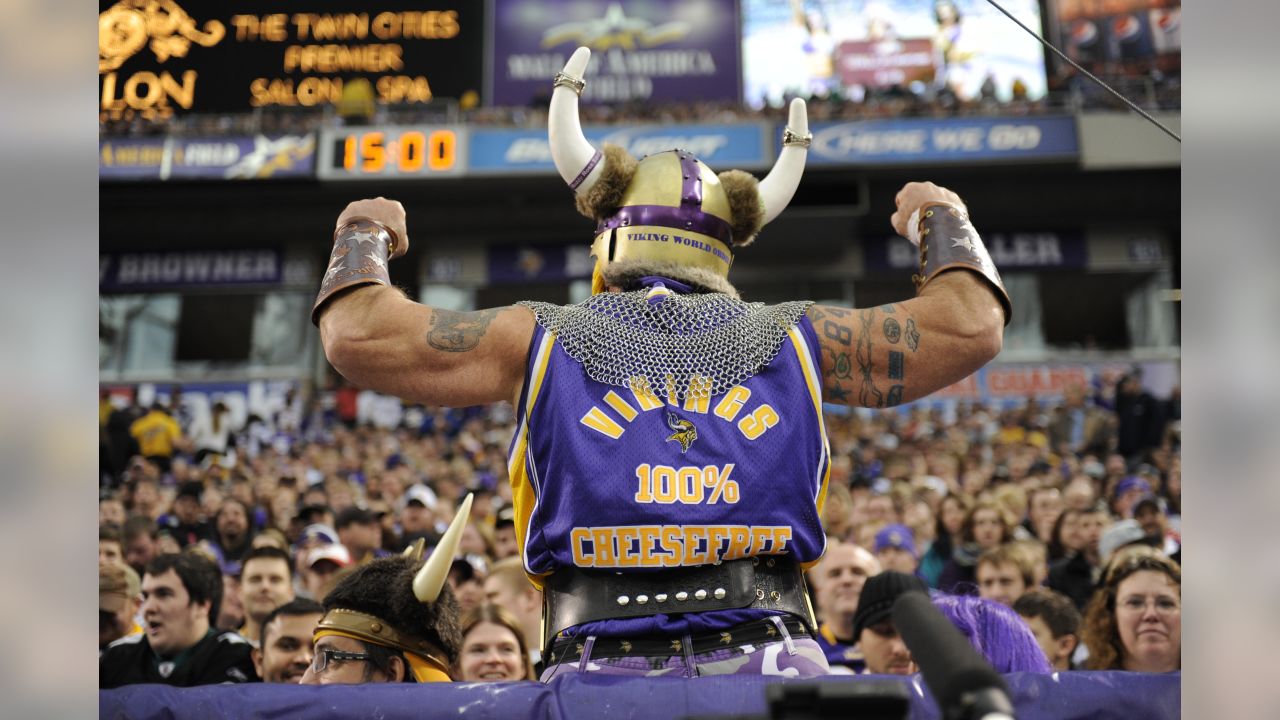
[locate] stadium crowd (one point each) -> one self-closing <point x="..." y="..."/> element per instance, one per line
<point x="220" y="536"/>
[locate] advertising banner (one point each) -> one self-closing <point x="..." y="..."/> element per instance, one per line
<point x="538" y="263"/>
<point x="160" y="57"/>
<point x="1123" y="36"/>
<point x="962" y="140"/>
<point x="851" y="48"/>
<point x="243" y="158"/>
<point x="131" y="159"/>
<point x="146" y="271"/>
<point x="1011" y="383"/>
<point x="644" y="50"/>
<point x="721" y="147"/>
<point x="1009" y="251"/>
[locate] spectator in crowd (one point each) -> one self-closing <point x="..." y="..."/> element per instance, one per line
<point x="505" y="542"/>
<point x="210" y="436"/>
<point x="139" y="542"/>
<point x="359" y="531"/>
<point x="837" y="581"/>
<point x="1134" y="622"/>
<point x="1149" y="513"/>
<point x="266" y="583"/>
<point x="110" y="545"/>
<point x="1074" y="575"/>
<point x="233" y="538"/>
<point x="1140" y="418"/>
<point x="179" y="647"/>
<point x="1126" y="495"/>
<point x="493" y="647"/>
<point x="119" y="592"/>
<point x="883" y="649"/>
<point x="158" y="436"/>
<point x="895" y="548"/>
<point x="509" y="588"/>
<point x="996" y="632"/>
<point x="111" y="511"/>
<point x="1003" y="575"/>
<point x="466" y="577"/>
<point x="417" y="516"/>
<point x="986" y="526"/>
<point x="1044" y="505"/>
<point x="1054" y="621"/>
<point x="186" y="522"/>
<point x="1080" y="428"/>
<point x="1117" y="536"/>
<point x="392" y="620"/>
<point x="950" y="525"/>
<point x="285" y="653"/>
<point x="321" y="568"/>
<point x="1079" y="494"/>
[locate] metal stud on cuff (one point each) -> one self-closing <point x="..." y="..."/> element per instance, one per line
<point x="577" y="85"/>
<point x="791" y="139"/>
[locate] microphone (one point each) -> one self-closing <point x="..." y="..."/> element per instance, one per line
<point x="965" y="686"/>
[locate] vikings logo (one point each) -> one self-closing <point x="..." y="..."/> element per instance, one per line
<point x="125" y="27"/>
<point x="685" y="432"/>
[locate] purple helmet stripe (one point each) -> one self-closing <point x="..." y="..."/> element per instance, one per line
<point x="676" y="218"/>
<point x="591" y="164"/>
<point x="691" y="190"/>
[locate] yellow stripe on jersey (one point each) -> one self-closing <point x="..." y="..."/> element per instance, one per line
<point x="624" y="408"/>
<point x="813" y="379"/>
<point x="523" y="495"/>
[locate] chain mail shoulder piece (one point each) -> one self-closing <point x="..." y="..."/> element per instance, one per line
<point x="686" y="344"/>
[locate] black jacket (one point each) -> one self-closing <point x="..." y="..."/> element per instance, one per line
<point x="218" y="658"/>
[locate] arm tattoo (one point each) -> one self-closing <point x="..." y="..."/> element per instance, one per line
<point x="868" y="395"/>
<point x="913" y="335"/>
<point x="892" y="331"/>
<point x="453" y="331"/>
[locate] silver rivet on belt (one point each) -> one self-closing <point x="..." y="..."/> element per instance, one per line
<point x="759" y="594"/>
<point x="719" y="593"/>
<point x="623" y="599"/>
<point x="682" y="596"/>
<point x="660" y="597"/>
<point x="774" y="596"/>
<point x="642" y="599"/>
<point x="700" y="595"/>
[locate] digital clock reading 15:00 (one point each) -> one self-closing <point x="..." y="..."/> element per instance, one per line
<point x="391" y="152"/>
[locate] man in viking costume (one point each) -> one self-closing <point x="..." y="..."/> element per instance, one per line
<point x="392" y="620"/>
<point x="670" y="462"/>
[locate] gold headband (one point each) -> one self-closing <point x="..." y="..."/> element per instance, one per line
<point x="361" y="626"/>
<point x="654" y="243"/>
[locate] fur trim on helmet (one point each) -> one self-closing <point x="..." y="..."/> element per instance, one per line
<point x="743" y="191"/>
<point x="605" y="195"/>
<point x="384" y="588"/>
<point x="626" y="273"/>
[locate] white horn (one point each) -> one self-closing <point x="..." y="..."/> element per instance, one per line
<point x="779" y="187"/>
<point x="429" y="581"/>
<point x="569" y="147"/>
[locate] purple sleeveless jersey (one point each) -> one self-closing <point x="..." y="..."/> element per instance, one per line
<point x="608" y="477"/>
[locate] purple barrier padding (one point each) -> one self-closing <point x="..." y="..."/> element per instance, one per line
<point x="1093" y="695"/>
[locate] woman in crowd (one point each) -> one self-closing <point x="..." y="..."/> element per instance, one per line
<point x="986" y="526"/>
<point x="951" y="513"/>
<point x="1134" y="621"/>
<point x="493" y="647"/>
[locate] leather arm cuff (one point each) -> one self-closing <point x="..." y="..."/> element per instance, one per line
<point x="949" y="241"/>
<point x="361" y="249"/>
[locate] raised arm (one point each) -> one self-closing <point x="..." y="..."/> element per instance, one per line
<point x="885" y="356"/>
<point x="381" y="340"/>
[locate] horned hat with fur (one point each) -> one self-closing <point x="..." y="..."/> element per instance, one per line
<point x="667" y="214"/>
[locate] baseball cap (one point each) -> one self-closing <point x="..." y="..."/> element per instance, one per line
<point x="878" y="595"/>
<point x="117" y="584"/>
<point x="1133" y="482"/>
<point x="334" y="552"/>
<point x="896" y="536"/>
<point x="506" y="516"/>
<point x="320" y="531"/>
<point x="422" y="495"/>
<point x="354" y="515"/>
<point x="1117" y="536"/>
<point x="1148" y="500"/>
<point x="192" y="489"/>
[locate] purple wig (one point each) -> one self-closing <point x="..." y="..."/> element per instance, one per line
<point x="996" y="632"/>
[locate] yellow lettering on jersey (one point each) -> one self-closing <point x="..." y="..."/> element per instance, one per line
<point x="760" y="537"/>
<point x="694" y="535"/>
<point x="577" y="540"/>
<point x="781" y="538"/>
<point x="739" y="542"/>
<point x="623" y="408"/>
<point x="626" y="536"/>
<point x="649" y="537"/>
<point x="760" y="420"/>
<point x="602" y="540"/>
<point x="601" y="423"/>
<point x="731" y="404"/>
<point x="699" y="398"/>
<point x="671" y="542"/>
<point x="644" y="397"/>
<point x="716" y="535"/>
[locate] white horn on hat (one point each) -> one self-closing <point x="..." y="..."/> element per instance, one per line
<point x="777" y="189"/>
<point x="570" y="150"/>
<point x="429" y="581"/>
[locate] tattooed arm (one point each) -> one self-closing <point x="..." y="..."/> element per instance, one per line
<point x="381" y="340"/>
<point x="885" y="356"/>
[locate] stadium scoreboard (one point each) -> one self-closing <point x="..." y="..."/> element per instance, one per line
<point x="392" y="152"/>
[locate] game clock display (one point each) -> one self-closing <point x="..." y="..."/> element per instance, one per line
<point x="391" y="152"/>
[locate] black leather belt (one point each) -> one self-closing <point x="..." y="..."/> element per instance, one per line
<point x="572" y="596"/>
